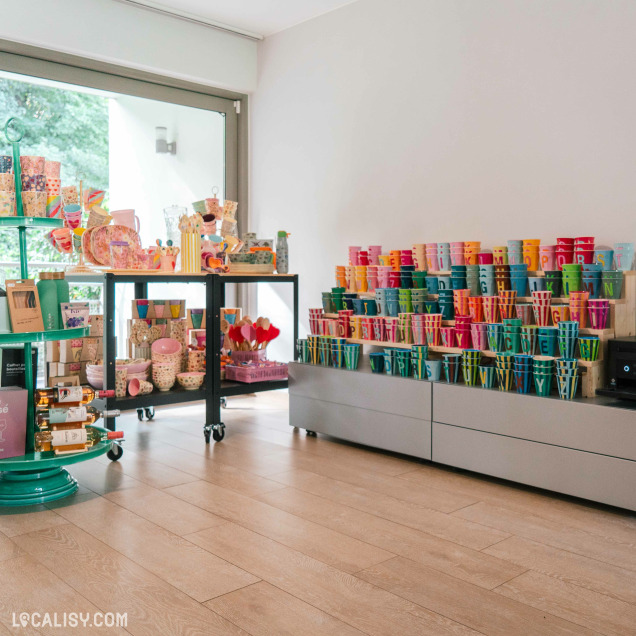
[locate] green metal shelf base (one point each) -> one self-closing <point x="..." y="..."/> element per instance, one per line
<point x="31" y="221"/>
<point x="25" y="488"/>
<point x="43" y="336"/>
<point x="38" y="477"/>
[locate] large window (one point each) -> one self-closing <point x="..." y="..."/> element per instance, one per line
<point x="104" y="127"/>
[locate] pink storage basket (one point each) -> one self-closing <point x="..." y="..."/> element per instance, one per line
<point x="249" y="356"/>
<point x="249" y="374"/>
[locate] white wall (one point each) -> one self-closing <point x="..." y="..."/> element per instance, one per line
<point x="112" y="32"/>
<point x="147" y="182"/>
<point x="399" y="121"/>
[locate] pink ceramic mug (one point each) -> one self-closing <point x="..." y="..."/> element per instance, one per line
<point x="127" y="218"/>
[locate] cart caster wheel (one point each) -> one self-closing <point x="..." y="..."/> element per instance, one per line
<point x="140" y="415"/>
<point x="223" y="403"/>
<point x="311" y="434"/>
<point x="115" y="452"/>
<point x="206" y="434"/>
<point x="150" y="413"/>
<point x="218" y="433"/>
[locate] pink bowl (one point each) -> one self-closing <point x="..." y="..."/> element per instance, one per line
<point x="166" y="346"/>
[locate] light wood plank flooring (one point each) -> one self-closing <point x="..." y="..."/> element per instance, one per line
<point x="274" y="533"/>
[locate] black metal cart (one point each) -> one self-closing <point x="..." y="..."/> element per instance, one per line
<point x="214" y="390"/>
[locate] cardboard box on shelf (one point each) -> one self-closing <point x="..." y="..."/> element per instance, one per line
<point x="92" y="349"/>
<point x="53" y="351"/>
<point x="96" y="324"/>
<point x="13" y="416"/>
<point x="66" y="368"/>
<point x="24" y="306"/>
<point x="69" y="380"/>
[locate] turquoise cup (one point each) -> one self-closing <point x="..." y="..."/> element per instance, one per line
<point x="433" y="370"/>
<point x="419" y="367"/>
<point x="376" y="361"/>
<point x="487" y="376"/>
<point x="567" y="385"/>
<point x="352" y="356"/>
<point x="543" y="383"/>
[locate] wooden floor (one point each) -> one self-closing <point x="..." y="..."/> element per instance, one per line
<point x="273" y="532"/>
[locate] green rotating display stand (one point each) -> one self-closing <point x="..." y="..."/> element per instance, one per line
<point x="34" y="478"/>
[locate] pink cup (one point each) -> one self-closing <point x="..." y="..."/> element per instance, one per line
<point x="168" y="262"/>
<point x="479" y="336"/>
<point x="564" y="257"/>
<point x="353" y="254"/>
<point x="391" y="326"/>
<point x="485" y="258"/>
<point x="395" y="279"/>
<point x="584" y="256"/>
<point x="406" y="257"/>
<point x="127" y="218"/>
<point x="547" y="257"/>
<point x="419" y="335"/>
<point x="463" y="338"/>
<point x="448" y="336"/>
<point x="432" y="260"/>
<point x="379" y="330"/>
<point x="63" y="241"/>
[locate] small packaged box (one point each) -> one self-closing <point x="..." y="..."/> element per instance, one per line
<point x="13" y="416"/>
<point x="12" y="366"/>
<point x="24" y="306"/>
<point x="96" y="324"/>
<point x="69" y="380"/>
<point x="53" y="351"/>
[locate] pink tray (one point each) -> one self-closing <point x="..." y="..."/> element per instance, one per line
<point x="255" y="374"/>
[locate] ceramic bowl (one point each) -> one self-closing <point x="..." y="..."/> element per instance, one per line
<point x="96" y="383"/>
<point x="139" y="376"/>
<point x="163" y="384"/>
<point x="166" y="346"/>
<point x="191" y="381"/>
<point x="138" y="365"/>
<point x="163" y="376"/>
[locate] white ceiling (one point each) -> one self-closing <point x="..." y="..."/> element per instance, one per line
<point x="264" y="17"/>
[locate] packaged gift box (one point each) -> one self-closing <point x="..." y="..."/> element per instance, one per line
<point x="12" y="366"/>
<point x="13" y="414"/>
<point x="24" y="306"/>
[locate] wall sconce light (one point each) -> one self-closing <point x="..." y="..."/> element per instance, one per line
<point x="162" y="144"/>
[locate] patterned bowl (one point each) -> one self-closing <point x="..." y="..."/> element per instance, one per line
<point x="191" y="381"/>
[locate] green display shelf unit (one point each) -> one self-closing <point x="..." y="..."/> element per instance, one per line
<point x="36" y="478"/>
<point x="36" y="222"/>
<point x="43" y="336"/>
